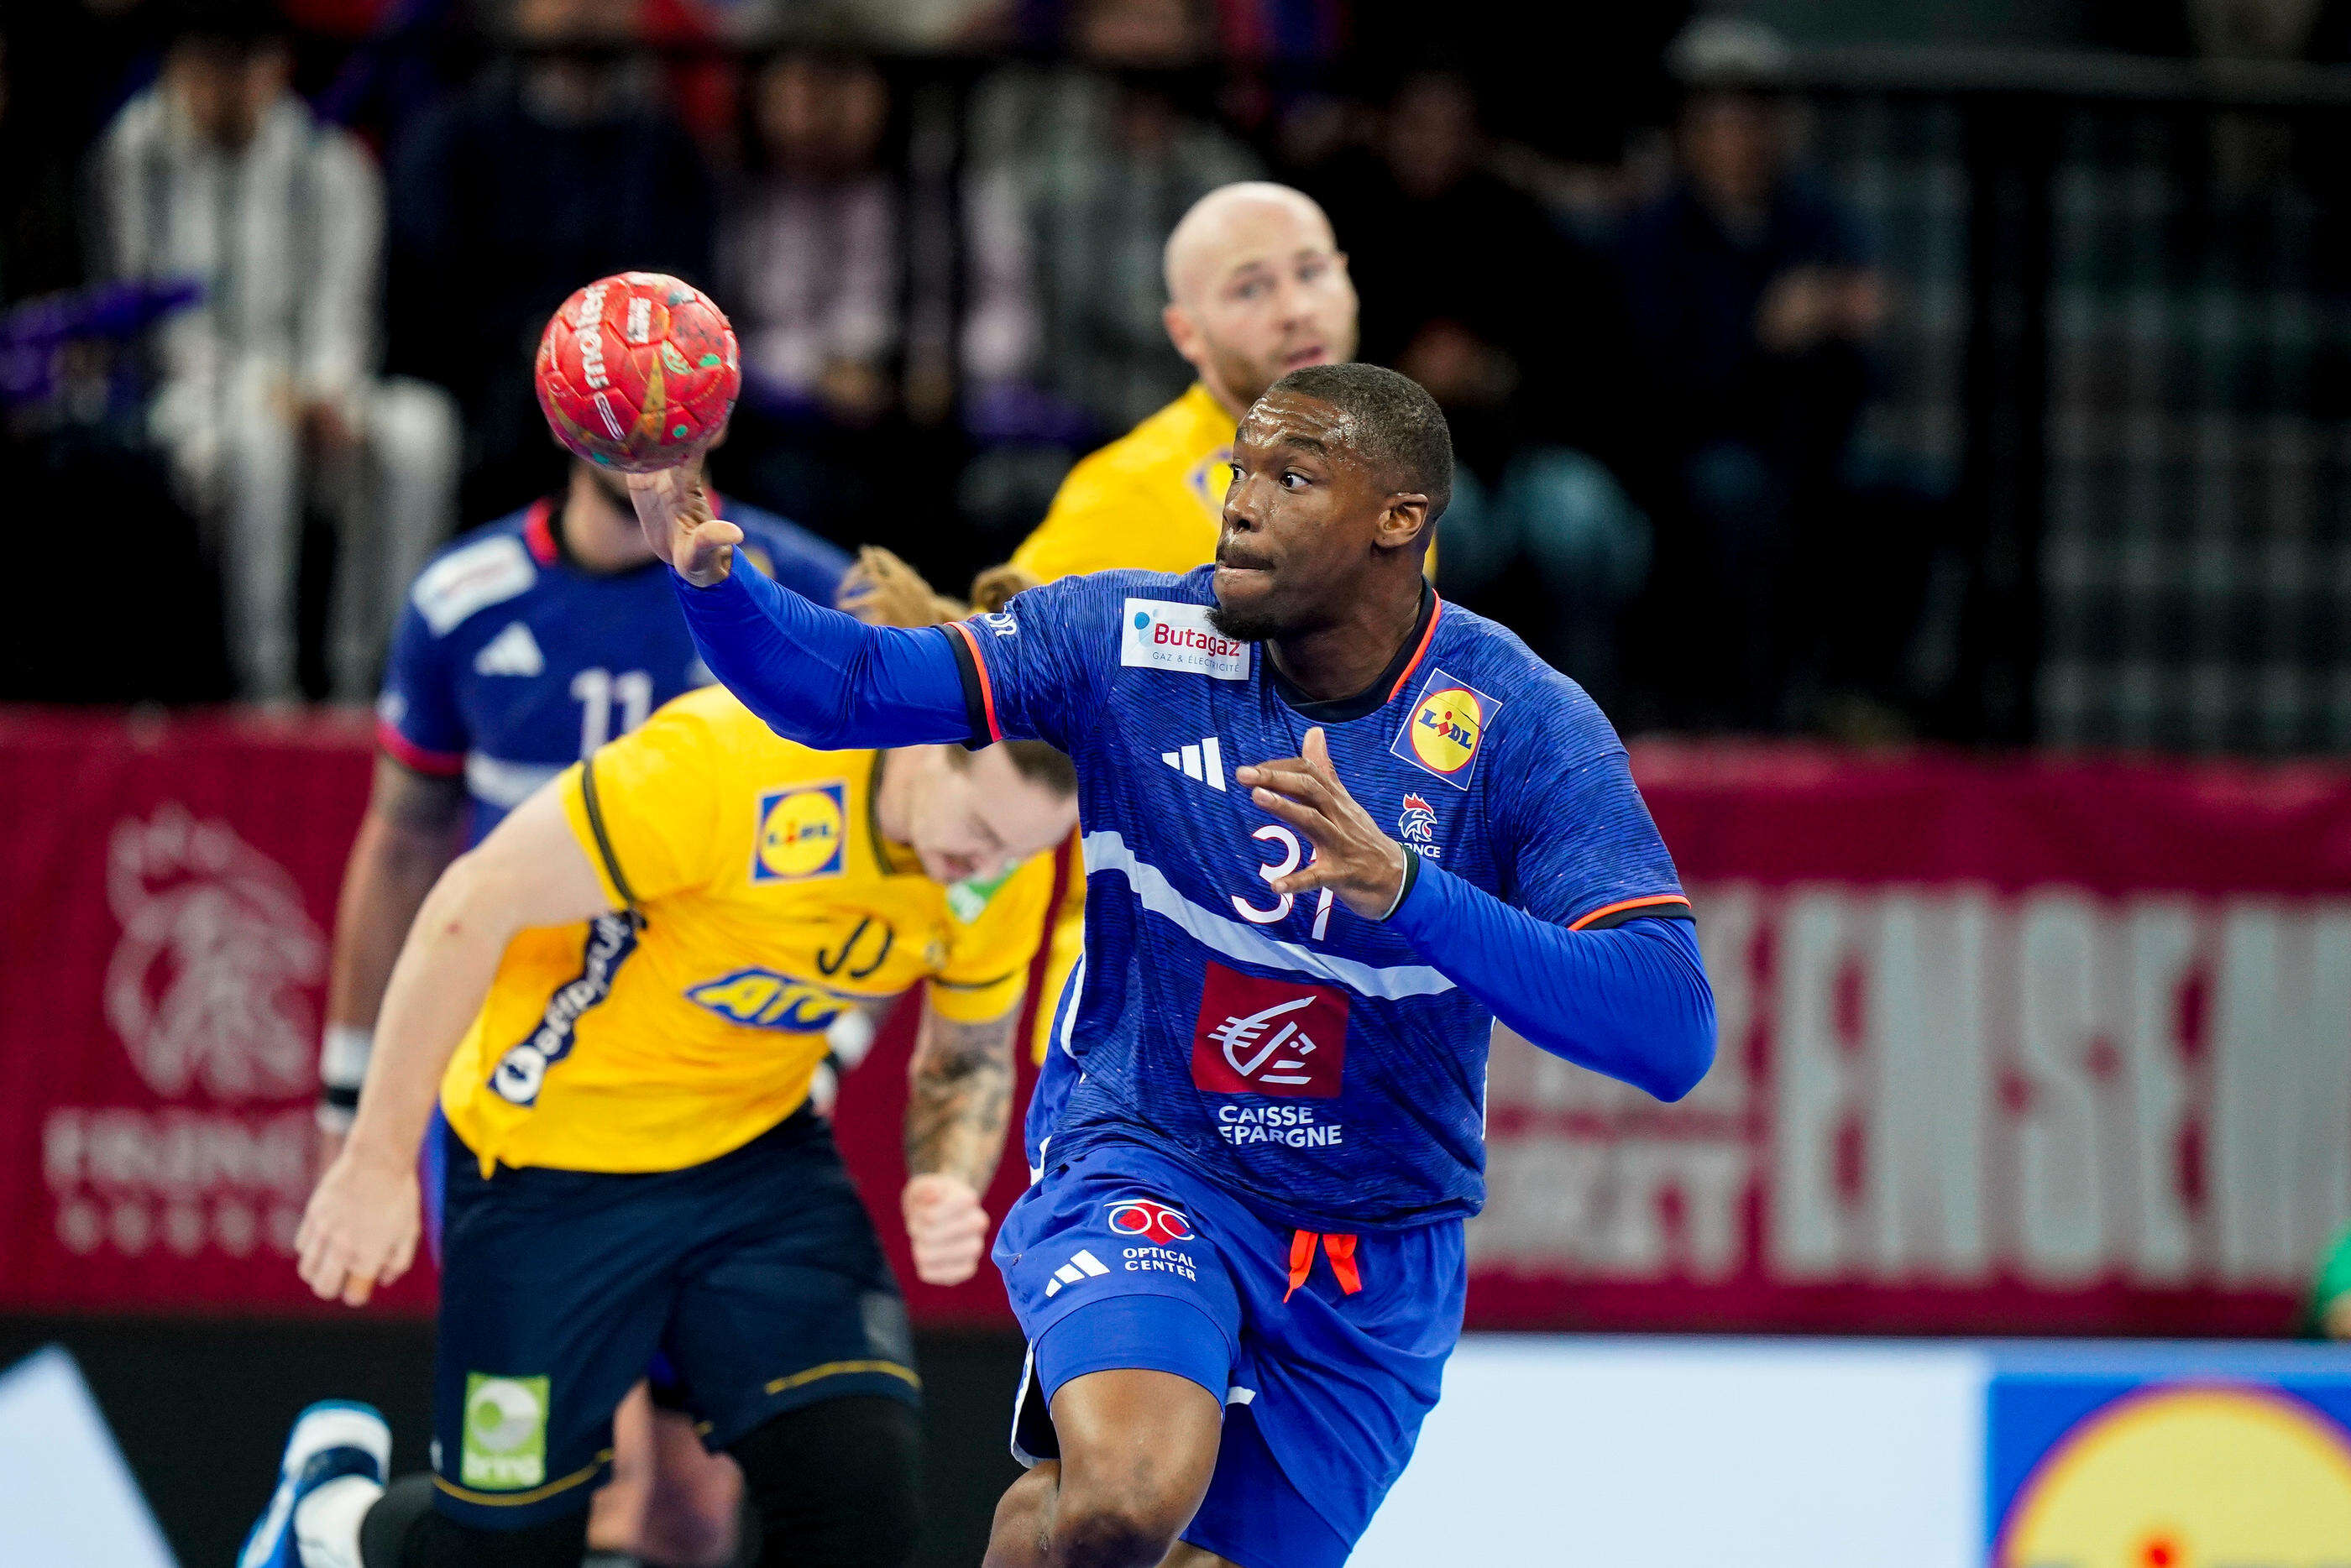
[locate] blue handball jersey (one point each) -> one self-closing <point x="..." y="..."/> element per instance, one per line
<point x="511" y="662"/>
<point x="1295" y="1053"/>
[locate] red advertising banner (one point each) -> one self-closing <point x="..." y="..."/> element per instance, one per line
<point x="2033" y="1045"/>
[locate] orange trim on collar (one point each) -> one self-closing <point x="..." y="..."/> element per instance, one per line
<point x="538" y="533"/>
<point x="1435" y="615"/>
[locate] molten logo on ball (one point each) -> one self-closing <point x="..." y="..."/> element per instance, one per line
<point x="1149" y="1220"/>
<point x="637" y="371"/>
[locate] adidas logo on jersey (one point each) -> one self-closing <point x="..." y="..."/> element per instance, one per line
<point x="1084" y="1266"/>
<point x="513" y="651"/>
<point x="1205" y="761"/>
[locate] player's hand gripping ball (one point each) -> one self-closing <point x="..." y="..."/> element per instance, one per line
<point x="637" y="371"/>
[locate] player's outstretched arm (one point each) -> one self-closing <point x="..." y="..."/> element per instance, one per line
<point x="815" y="675"/>
<point x="1631" y="1002"/>
<point x="361" y="1228"/>
<point x="957" y="1109"/>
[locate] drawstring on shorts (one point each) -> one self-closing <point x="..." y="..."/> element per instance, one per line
<point x="1342" y="1252"/>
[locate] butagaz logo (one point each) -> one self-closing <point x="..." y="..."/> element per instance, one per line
<point x="1417" y="826"/>
<point x="1268" y="1037"/>
<point x="504" y="1445"/>
<point x="205" y="986"/>
<point x="1084" y="1266"/>
<point x="1148" y="1220"/>
<point x="1159" y="634"/>
<point x="1205" y="761"/>
<point x="1444" y="729"/>
<point x="522" y="1071"/>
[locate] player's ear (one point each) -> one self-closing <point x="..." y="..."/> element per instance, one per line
<point x="1403" y="520"/>
<point x="1178" y="323"/>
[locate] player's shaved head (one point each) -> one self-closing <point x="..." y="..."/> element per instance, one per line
<point x="1232" y="221"/>
<point x="1256" y="287"/>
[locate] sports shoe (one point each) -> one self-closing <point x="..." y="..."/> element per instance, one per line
<point x="332" y="1439"/>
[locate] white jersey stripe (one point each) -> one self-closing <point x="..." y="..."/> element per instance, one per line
<point x="1107" y="851"/>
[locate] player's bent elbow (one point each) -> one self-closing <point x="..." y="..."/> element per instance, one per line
<point x="1682" y="1065"/>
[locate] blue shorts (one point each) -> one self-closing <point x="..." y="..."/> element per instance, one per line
<point x="1120" y="1257"/>
<point x="757" y="1275"/>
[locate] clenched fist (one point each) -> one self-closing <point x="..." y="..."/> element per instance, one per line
<point x="947" y="1226"/>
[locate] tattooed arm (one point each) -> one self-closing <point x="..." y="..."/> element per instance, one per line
<point x="957" y="1109"/>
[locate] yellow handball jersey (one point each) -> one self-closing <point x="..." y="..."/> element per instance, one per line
<point x="1150" y="500"/>
<point x="770" y="904"/>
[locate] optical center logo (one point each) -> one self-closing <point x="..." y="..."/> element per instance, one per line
<point x="1148" y="1220"/>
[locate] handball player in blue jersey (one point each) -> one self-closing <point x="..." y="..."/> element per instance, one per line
<point x="1333" y="828"/>
<point x="522" y="648"/>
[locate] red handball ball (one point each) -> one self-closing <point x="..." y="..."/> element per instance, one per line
<point x="637" y="370"/>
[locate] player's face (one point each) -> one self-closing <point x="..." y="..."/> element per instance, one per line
<point x="980" y="815"/>
<point x="1300" y="520"/>
<point x="1276" y="298"/>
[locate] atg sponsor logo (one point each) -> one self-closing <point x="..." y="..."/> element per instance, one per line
<point x="1159" y="634"/>
<point x="801" y="835"/>
<point x="766" y="1000"/>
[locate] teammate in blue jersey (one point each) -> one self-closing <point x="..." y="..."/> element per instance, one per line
<point x="522" y="648"/>
<point x="1333" y="828"/>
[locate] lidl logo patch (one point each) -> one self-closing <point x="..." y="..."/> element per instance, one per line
<point x="2170" y="1476"/>
<point x="505" y="1433"/>
<point x="1444" y="728"/>
<point x="766" y="1000"/>
<point x="803" y="832"/>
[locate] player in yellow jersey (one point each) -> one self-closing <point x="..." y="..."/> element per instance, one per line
<point x="620" y="1001"/>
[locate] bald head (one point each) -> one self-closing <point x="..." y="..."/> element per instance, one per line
<point x="1257" y="287"/>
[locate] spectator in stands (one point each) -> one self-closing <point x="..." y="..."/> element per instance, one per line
<point x="558" y="167"/>
<point x="266" y="395"/>
<point x="1104" y="156"/>
<point x="846" y="345"/>
<point x="1512" y="326"/>
<point x="1753" y="303"/>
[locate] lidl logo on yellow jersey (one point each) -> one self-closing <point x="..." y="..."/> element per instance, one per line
<point x="2184" y="1477"/>
<point x="1442" y="731"/>
<point x="803" y="832"/>
<point x="766" y="1000"/>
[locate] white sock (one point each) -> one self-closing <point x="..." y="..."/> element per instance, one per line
<point x="327" y="1525"/>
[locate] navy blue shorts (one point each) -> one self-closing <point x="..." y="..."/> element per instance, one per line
<point x="757" y="1275"/>
<point x="1326" y="1352"/>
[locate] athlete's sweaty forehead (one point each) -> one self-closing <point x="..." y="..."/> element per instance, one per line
<point x="1292" y="420"/>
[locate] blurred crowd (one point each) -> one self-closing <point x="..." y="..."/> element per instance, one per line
<point x="272" y="275"/>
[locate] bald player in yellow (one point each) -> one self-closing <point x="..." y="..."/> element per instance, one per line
<point x="1256" y="287"/>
